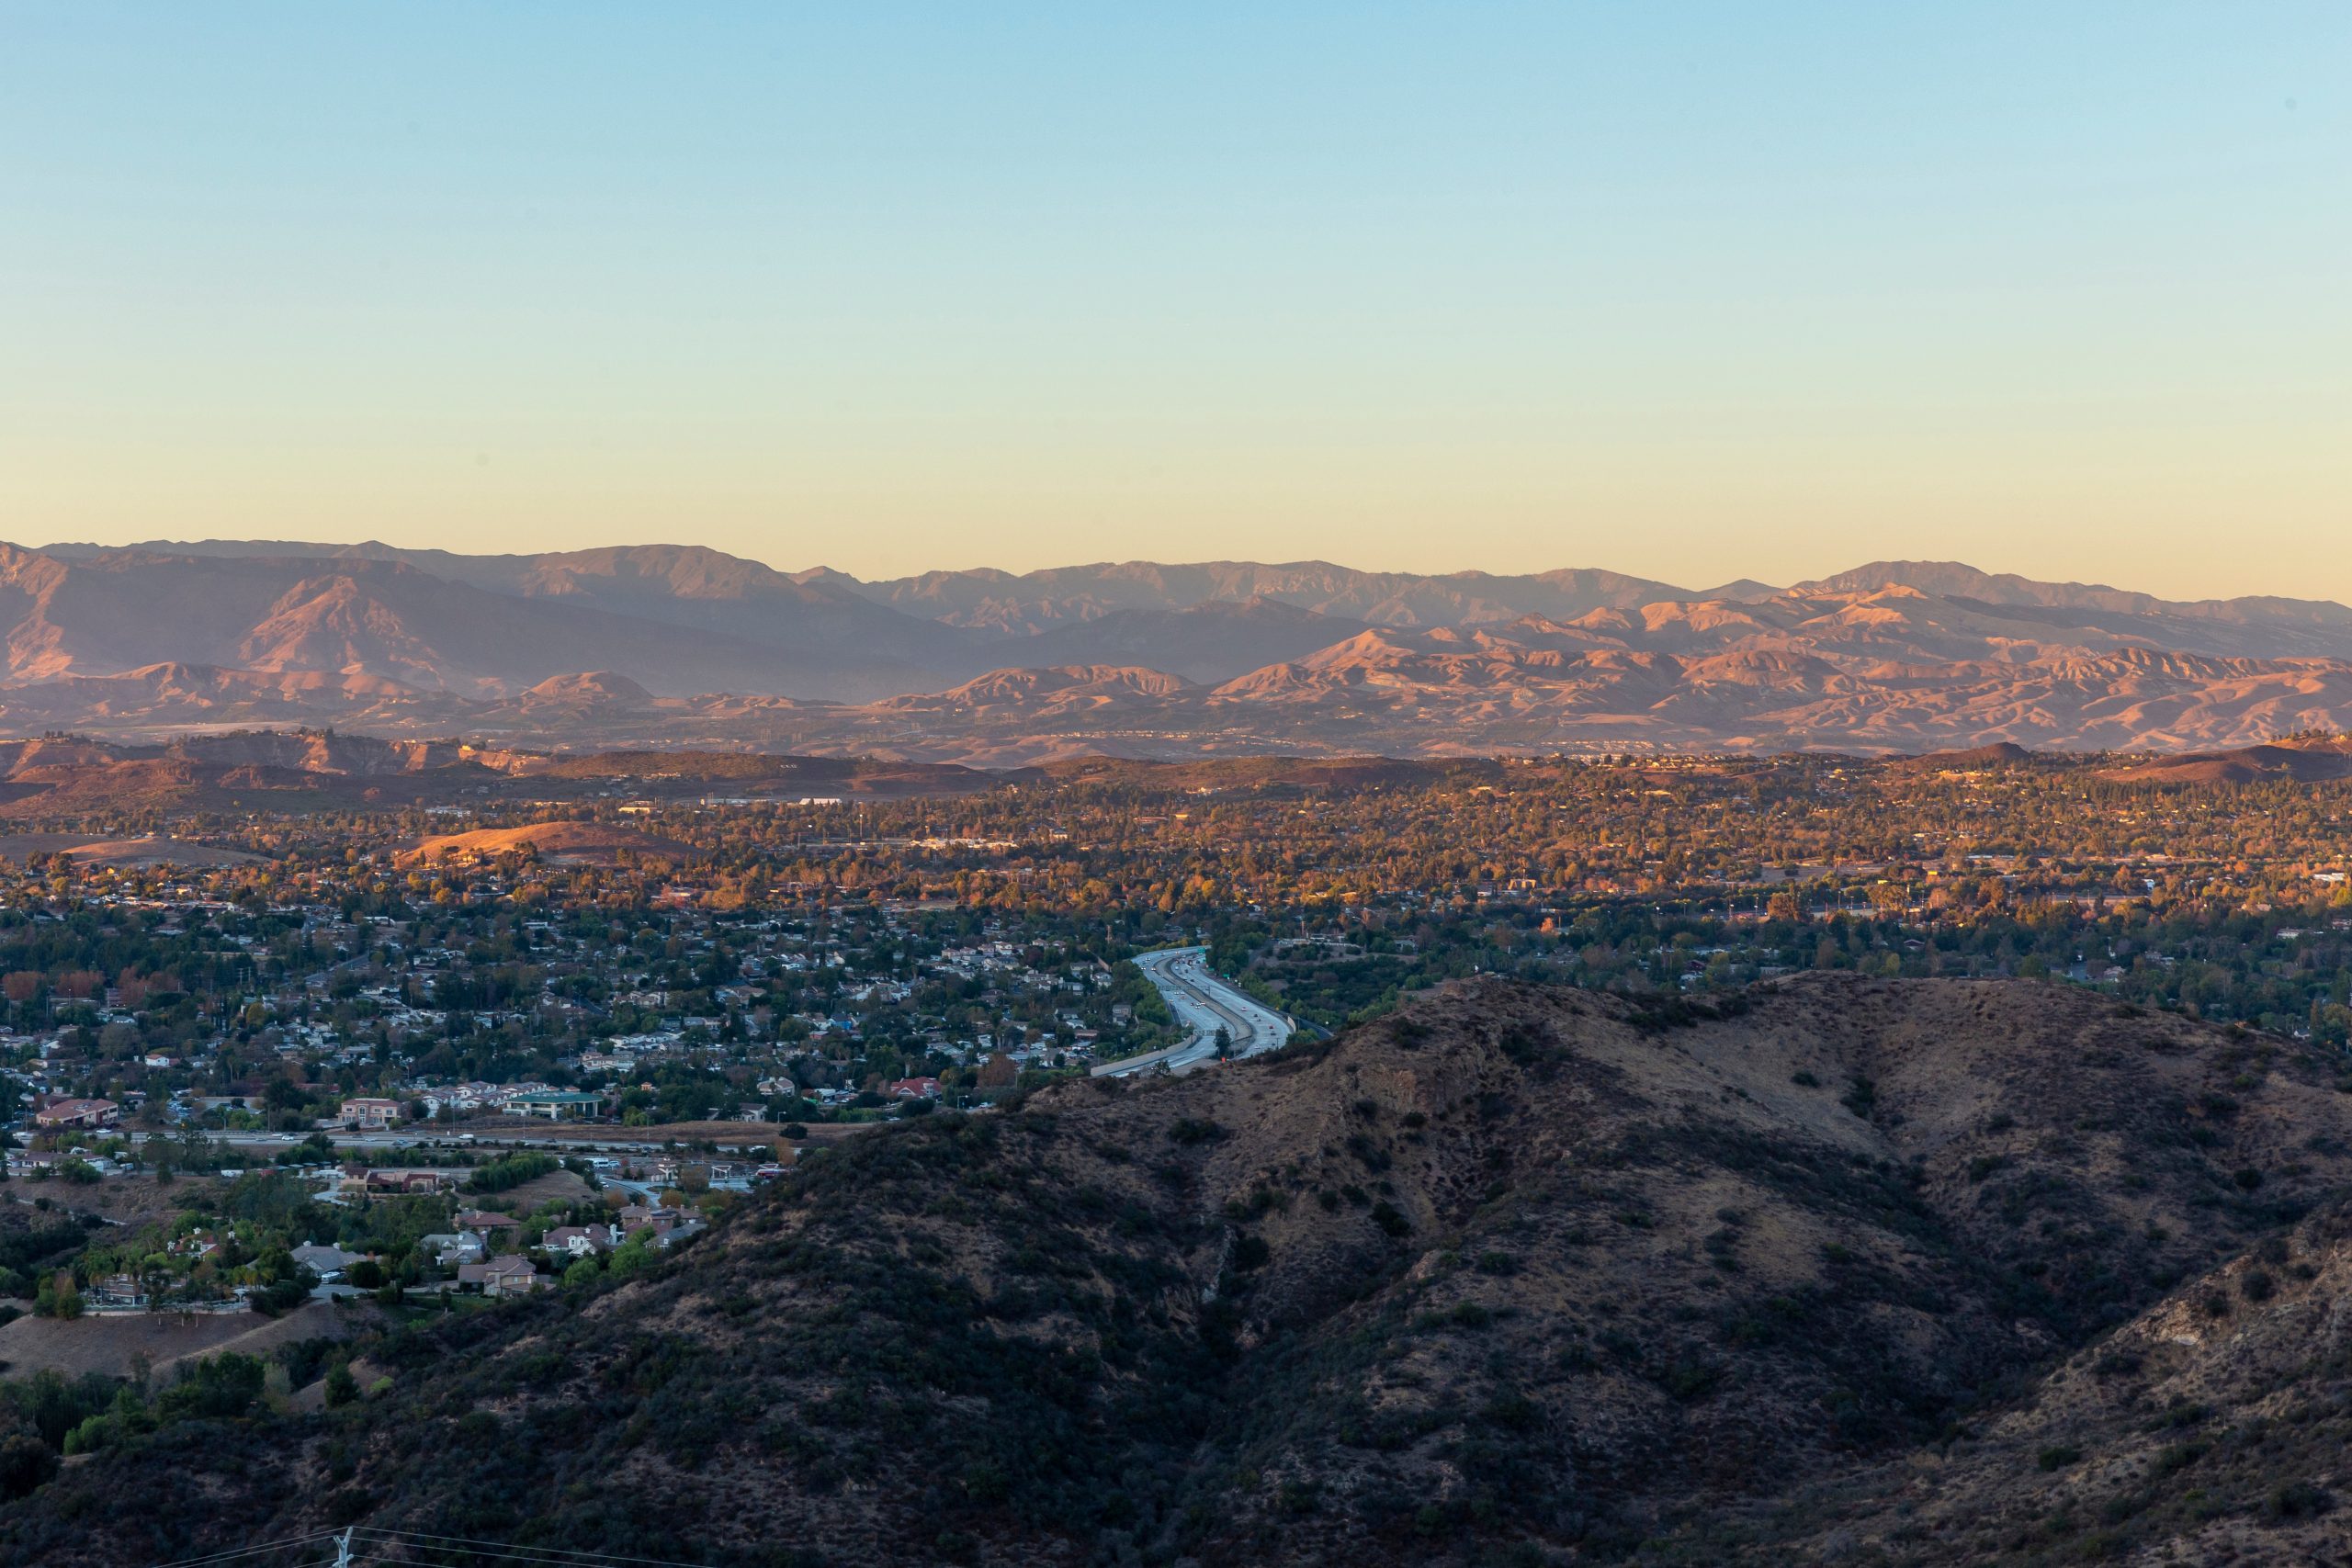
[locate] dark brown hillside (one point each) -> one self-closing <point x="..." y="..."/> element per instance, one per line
<point x="1513" y="1275"/>
<point x="2302" y="762"/>
<point x="2213" y="1428"/>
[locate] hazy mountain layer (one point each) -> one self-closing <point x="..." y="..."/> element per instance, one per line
<point x="665" y="644"/>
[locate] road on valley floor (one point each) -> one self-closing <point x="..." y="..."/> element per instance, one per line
<point x="594" y="1141"/>
<point x="1204" y="1004"/>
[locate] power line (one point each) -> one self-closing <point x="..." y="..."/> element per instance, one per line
<point x="441" y="1554"/>
<point x="368" y="1554"/>
<point x="474" y="1546"/>
<point x="548" y="1557"/>
<point x="373" y="1552"/>
<point x="363" y="1544"/>
<point x="287" y="1544"/>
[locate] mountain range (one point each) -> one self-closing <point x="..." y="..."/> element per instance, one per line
<point x="685" y="645"/>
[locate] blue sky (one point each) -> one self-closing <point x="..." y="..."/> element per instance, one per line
<point x="1696" y="292"/>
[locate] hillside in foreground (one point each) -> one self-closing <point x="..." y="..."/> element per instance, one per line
<point x="1885" y="1272"/>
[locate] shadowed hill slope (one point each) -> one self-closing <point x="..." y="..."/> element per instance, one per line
<point x="1536" y="1273"/>
<point x="2211" y="1430"/>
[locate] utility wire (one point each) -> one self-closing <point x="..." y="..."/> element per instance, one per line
<point x="508" y="1548"/>
<point x="371" y="1543"/>
<point x="287" y="1544"/>
<point x="437" y="1553"/>
<point x="374" y="1551"/>
<point x="282" y="1544"/>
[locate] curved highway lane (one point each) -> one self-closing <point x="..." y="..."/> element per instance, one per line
<point x="1204" y="1004"/>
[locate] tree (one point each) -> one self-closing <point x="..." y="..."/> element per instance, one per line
<point x="57" y="1297"/>
<point x="341" y="1387"/>
<point x="216" y="1387"/>
<point x="25" y="1463"/>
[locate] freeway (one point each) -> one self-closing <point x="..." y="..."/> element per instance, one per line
<point x="1204" y="1004"/>
<point x="585" y="1140"/>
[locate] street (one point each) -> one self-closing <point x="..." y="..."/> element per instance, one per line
<point x="1204" y="1004"/>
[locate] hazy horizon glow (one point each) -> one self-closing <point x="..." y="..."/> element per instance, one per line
<point x="1685" y="292"/>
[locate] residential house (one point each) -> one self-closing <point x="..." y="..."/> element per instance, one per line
<point x="485" y="1221"/>
<point x="509" y="1276"/>
<point x="119" y="1291"/>
<point x="634" y="1217"/>
<point x="557" y="1105"/>
<point x="78" y="1114"/>
<point x="448" y="1247"/>
<point x="326" y="1262"/>
<point x="667" y="1224"/>
<point x="582" y="1241"/>
<point x="425" y="1181"/>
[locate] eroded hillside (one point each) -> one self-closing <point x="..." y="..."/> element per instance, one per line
<point x="1546" y="1274"/>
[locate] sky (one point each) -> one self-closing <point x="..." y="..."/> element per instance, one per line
<point x="1697" y="292"/>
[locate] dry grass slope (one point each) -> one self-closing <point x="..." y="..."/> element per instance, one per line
<point x="1514" y="1275"/>
<point x="581" y="842"/>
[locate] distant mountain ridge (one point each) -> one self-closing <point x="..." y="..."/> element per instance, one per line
<point x="1033" y="601"/>
<point x="681" y="644"/>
